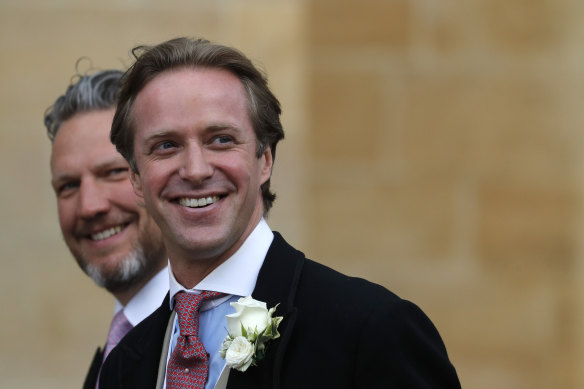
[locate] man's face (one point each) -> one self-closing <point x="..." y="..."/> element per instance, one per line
<point x="197" y="166"/>
<point x="106" y="230"/>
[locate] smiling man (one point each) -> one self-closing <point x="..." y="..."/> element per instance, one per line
<point x="111" y="236"/>
<point x="199" y="127"/>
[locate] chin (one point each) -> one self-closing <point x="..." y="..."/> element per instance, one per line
<point x="126" y="273"/>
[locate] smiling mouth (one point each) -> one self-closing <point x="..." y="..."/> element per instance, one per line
<point x="198" y="203"/>
<point x="107" y="233"/>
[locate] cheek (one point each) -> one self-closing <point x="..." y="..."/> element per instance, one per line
<point x="66" y="213"/>
<point x="124" y="194"/>
<point x="155" y="176"/>
<point x="145" y="222"/>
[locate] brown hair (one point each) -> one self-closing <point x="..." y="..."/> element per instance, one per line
<point x="264" y="107"/>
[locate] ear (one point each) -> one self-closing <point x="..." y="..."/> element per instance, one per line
<point x="268" y="162"/>
<point x="136" y="183"/>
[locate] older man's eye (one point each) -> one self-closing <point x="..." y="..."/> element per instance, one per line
<point x="118" y="173"/>
<point x="67" y="187"/>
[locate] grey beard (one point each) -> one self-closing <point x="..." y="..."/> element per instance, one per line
<point x="130" y="271"/>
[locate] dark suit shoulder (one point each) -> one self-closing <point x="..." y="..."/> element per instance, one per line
<point x="372" y="337"/>
<point x="344" y="293"/>
<point x="139" y="334"/>
<point x="91" y="378"/>
<point x="340" y="283"/>
<point x="133" y="363"/>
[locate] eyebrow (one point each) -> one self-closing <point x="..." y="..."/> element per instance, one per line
<point x="111" y="163"/>
<point x="211" y="128"/>
<point x="59" y="178"/>
<point x="158" y="135"/>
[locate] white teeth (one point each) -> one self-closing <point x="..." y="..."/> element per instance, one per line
<point x="106" y="233"/>
<point x="195" y="203"/>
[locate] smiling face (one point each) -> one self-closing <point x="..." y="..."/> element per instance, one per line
<point x="198" y="171"/>
<point x="106" y="230"/>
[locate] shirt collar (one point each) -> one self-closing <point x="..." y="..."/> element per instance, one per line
<point x="147" y="299"/>
<point x="239" y="273"/>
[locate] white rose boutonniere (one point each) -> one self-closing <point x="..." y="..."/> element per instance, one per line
<point x="248" y="331"/>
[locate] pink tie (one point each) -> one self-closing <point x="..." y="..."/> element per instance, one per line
<point x="188" y="366"/>
<point x="118" y="329"/>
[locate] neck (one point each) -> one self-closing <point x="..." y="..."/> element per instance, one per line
<point x="125" y="296"/>
<point x="127" y="293"/>
<point x="190" y="273"/>
<point x="191" y="266"/>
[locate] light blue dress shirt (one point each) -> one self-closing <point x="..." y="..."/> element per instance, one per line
<point x="236" y="277"/>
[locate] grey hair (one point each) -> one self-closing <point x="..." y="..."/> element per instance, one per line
<point x="89" y="93"/>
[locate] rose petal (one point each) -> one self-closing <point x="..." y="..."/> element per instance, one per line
<point x="250" y="313"/>
<point x="256" y="319"/>
<point x="239" y="355"/>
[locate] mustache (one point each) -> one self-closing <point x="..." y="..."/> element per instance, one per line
<point x="100" y="223"/>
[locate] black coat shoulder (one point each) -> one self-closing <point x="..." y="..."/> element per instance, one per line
<point x="361" y="335"/>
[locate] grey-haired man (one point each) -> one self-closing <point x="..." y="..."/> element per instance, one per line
<point x="108" y="231"/>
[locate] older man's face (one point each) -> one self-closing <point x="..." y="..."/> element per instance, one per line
<point x="198" y="173"/>
<point x="111" y="236"/>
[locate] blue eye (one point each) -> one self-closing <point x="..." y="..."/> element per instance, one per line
<point x="165" y="145"/>
<point x="223" y="139"/>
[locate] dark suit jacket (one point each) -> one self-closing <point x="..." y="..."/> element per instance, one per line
<point x="91" y="378"/>
<point x="338" y="332"/>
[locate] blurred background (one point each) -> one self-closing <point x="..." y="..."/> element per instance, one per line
<point x="434" y="147"/>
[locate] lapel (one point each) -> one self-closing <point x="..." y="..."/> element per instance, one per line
<point x="277" y="283"/>
<point x="91" y="378"/>
<point x="140" y="351"/>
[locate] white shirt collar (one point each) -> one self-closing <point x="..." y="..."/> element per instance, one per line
<point x="147" y="300"/>
<point x="239" y="273"/>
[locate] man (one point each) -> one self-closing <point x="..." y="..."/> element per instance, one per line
<point x="199" y="127"/>
<point x="109" y="233"/>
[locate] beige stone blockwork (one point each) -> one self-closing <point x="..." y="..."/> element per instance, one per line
<point x="347" y="23"/>
<point x="528" y="226"/>
<point x="526" y="131"/>
<point x="507" y="332"/>
<point x="361" y="220"/>
<point x="439" y="126"/>
<point x="346" y="111"/>
<point x="470" y="199"/>
<point x="522" y="26"/>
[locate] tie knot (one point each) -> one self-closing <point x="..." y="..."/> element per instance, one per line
<point x="187" y="307"/>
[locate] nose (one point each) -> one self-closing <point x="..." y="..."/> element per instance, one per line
<point x="93" y="199"/>
<point x="196" y="166"/>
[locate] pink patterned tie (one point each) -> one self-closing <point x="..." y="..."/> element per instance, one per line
<point x="188" y="366"/>
<point x="118" y="329"/>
